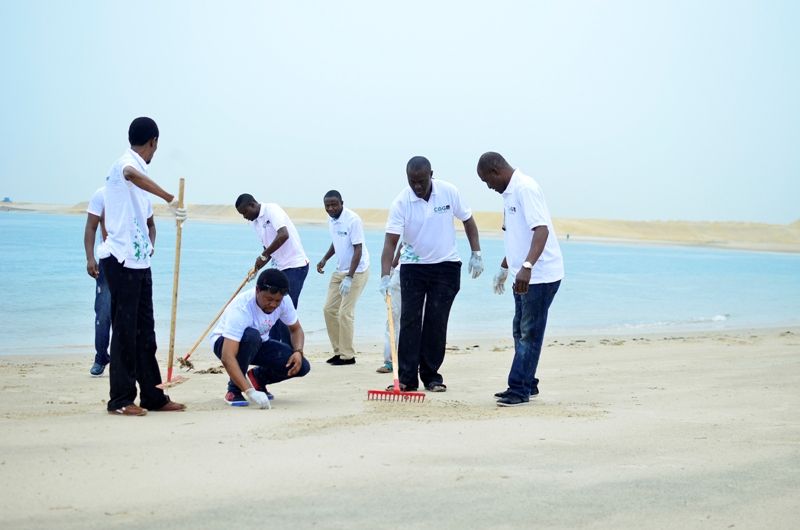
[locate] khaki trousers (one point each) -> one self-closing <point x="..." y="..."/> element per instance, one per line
<point x="340" y="313"/>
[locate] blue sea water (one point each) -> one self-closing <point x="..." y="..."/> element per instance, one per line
<point x="47" y="297"/>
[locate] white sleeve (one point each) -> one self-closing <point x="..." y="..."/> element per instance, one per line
<point x="235" y="321"/>
<point x="288" y="313"/>
<point x="460" y="208"/>
<point x="533" y="206"/>
<point x="277" y="216"/>
<point x="396" y="221"/>
<point x="96" y="204"/>
<point x="356" y="231"/>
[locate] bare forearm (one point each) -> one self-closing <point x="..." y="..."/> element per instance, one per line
<point x="389" y="246"/>
<point x="471" y="229"/>
<point x="355" y="260"/>
<point x="540" y="234"/>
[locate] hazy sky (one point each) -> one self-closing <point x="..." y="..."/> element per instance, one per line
<point x="620" y="109"/>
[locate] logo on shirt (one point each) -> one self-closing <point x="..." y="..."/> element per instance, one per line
<point x="441" y="209"/>
<point x="341" y="233"/>
<point x="512" y="209"/>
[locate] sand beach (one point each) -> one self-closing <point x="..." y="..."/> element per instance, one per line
<point x="683" y="431"/>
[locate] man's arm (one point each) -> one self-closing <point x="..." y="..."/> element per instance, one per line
<point x="140" y="180"/>
<point x="540" y="234"/>
<point x="389" y="246"/>
<point x="471" y="229"/>
<point x="280" y="238"/>
<point x="89" y="236"/>
<point x="151" y="231"/>
<point x="321" y="265"/>
<point x="357" y="251"/>
<point x="230" y="350"/>
<point x="298" y="339"/>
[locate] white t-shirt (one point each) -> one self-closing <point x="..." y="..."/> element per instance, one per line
<point x="127" y="208"/>
<point x="272" y="218"/>
<point x="243" y="312"/>
<point x="346" y="231"/>
<point x="96" y="208"/>
<point x="427" y="226"/>
<point x="524" y="208"/>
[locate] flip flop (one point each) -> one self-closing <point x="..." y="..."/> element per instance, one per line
<point x="436" y="387"/>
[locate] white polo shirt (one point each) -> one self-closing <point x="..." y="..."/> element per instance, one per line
<point x="524" y="208"/>
<point x="127" y="208"/>
<point x="243" y="312"/>
<point x="96" y="207"/>
<point x="346" y="231"/>
<point x="427" y="226"/>
<point x="271" y="219"/>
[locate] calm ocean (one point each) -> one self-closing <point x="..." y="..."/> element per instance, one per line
<point x="48" y="298"/>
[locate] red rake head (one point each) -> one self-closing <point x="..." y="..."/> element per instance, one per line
<point x="392" y="395"/>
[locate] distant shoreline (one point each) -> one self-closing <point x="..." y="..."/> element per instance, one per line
<point x="726" y="234"/>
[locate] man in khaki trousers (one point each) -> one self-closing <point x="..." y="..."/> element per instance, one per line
<point x="349" y="279"/>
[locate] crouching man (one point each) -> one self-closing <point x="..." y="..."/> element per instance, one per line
<point x="241" y="339"/>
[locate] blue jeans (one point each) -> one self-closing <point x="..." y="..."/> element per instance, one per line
<point x="102" y="317"/>
<point x="297" y="277"/>
<point x="269" y="357"/>
<point x="428" y="292"/>
<point x="530" y="320"/>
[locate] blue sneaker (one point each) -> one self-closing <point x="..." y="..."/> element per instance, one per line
<point x="97" y="369"/>
<point x="235" y="399"/>
<point x="251" y="375"/>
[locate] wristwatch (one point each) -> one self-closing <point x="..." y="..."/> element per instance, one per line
<point x="262" y="257"/>
<point x="527" y="265"/>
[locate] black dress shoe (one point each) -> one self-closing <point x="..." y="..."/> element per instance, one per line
<point x="333" y="359"/>
<point x="338" y="361"/>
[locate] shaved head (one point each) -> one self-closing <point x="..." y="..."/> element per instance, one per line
<point x="493" y="162"/>
<point x="417" y="164"/>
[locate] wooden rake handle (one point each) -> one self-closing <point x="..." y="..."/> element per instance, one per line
<point x="250" y="275"/>
<point x="175" y="275"/>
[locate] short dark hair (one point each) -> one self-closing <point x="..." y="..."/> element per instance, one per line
<point x="491" y="161"/>
<point x="273" y="278"/>
<point x="418" y="163"/>
<point x="333" y="193"/>
<point x="244" y="198"/>
<point x="142" y="130"/>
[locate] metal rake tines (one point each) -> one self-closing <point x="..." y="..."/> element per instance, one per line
<point x="389" y="395"/>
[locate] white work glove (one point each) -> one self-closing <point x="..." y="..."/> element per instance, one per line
<point x="384" y="288"/>
<point x="500" y="281"/>
<point x="180" y="213"/>
<point x="475" y="264"/>
<point x="344" y="287"/>
<point x="257" y="398"/>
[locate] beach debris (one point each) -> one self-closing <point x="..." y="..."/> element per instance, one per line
<point x="213" y="370"/>
<point x="186" y="364"/>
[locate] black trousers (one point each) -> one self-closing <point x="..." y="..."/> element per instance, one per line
<point x="427" y="293"/>
<point x="133" y="338"/>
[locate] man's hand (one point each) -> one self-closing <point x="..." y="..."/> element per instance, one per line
<point x="92" y="269"/>
<point x="257" y="398"/>
<point x="261" y="260"/>
<point x="321" y="266"/>
<point x="344" y="287"/>
<point x="384" y="287"/>
<point x="475" y="267"/>
<point x="295" y="363"/>
<point x="522" y="280"/>
<point x="500" y="281"/>
<point x="180" y="213"/>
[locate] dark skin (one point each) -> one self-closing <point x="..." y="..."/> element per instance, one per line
<point x="250" y="211"/>
<point x="141" y="180"/>
<point x="497" y="179"/>
<point x="420" y="182"/>
<point x="334" y="206"/>
<point x="267" y="302"/>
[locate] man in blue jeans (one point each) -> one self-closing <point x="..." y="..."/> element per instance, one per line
<point x="533" y="256"/>
<point x="242" y="338"/>
<point x="281" y="244"/>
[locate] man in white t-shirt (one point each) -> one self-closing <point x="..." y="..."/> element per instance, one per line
<point x="349" y="278"/>
<point x="534" y="260"/>
<point x="127" y="269"/>
<point x="281" y="244"/>
<point x="430" y="273"/>
<point x="242" y="338"/>
<point x="102" y="296"/>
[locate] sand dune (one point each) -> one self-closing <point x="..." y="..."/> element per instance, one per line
<point x="728" y="234"/>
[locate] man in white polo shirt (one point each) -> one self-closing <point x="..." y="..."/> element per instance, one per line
<point x="281" y="243"/>
<point x="102" y="296"/>
<point x="430" y="273"/>
<point x="533" y="257"/>
<point x="127" y="268"/>
<point x="242" y="339"/>
<point x="349" y="278"/>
